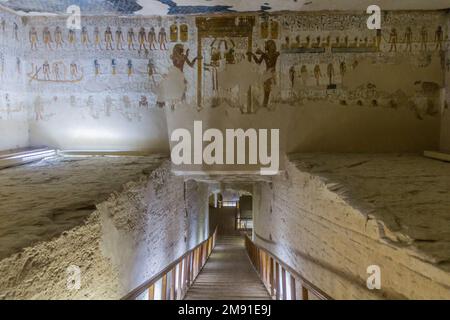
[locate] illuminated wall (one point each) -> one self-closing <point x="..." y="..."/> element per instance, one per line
<point x="13" y="100"/>
<point x="89" y="95"/>
<point x="328" y="82"/>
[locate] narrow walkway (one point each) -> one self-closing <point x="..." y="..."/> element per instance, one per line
<point x="228" y="274"/>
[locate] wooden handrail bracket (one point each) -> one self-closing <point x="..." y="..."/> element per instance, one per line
<point x="173" y="281"/>
<point x="282" y="281"/>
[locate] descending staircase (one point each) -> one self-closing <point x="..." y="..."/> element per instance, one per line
<point x="228" y="274"/>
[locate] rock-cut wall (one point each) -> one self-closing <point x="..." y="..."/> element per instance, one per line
<point x="129" y="238"/>
<point x="331" y="217"/>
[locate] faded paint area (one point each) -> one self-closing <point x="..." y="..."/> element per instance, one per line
<point x="324" y="81"/>
<point x="14" y="126"/>
<point x="445" y="122"/>
<point x="126" y="237"/>
<point x="164" y="7"/>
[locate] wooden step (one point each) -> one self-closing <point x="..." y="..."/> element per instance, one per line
<point x="228" y="275"/>
<point x="22" y="156"/>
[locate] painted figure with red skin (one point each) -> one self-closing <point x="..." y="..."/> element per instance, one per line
<point x="270" y="57"/>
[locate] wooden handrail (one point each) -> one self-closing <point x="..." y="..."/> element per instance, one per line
<point x="178" y="276"/>
<point x="276" y="274"/>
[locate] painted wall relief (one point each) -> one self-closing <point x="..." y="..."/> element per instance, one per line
<point x="249" y="62"/>
<point x="88" y="38"/>
<point x="224" y="43"/>
<point x="318" y="65"/>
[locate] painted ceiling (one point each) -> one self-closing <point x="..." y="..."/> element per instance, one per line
<point x="164" y="7"/>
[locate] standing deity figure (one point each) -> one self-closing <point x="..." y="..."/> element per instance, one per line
<point x="393" y="40"/>
<point x="96" y="67"/>
<point x="46" y="70"/>
<point x="175" y="76"/>
<point x="297" y="43"/>
<point x="119" y="39"/>
<point x="307" y="44"/>
<point x="439" y="38"/>
<point x="286" y="44"/>
<point x="346" y="42"/>
<point x="150" y="69"/>
<point x="142" y="38"/>
<point x="408" y="39"/>
<point x="292" y="76"/>
<point x="73" y="70"/>
<point x="366" y="42"/>
<point x="109" y="38"/>
<point x="114" y="67"/>
<point x="423" y="38"/>
<point x="33" y="38"/>
<point x="47" y="38"/>
<point x="342" y="70"/>
<point x="72" y="37"/>
<point x="317" y="43"/>
<point x="58" y="38"/>
<point x="152" y="39"/>
<point x="317" y="74"/>
<point x="270" y="57"/>
<point x="85" y="37"/>
<point x="162" y="39"/>
<point x="179" y="58"/>
<point x="230" y="53"/>
<point x="378" y="38"/>
<point x="327" y="42"/>
<point x="131" y="39"/>
<point x="215" y="64"/>
<point x="97" y="39"/>
<point x="16" y="31"/>
<point x="3" y="25"/>
<point x="304" y="74"/>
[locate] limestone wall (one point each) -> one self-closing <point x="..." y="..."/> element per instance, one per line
<point x="334" y="85"/>
<point x="313" y="225"/>
<point x="129" y="238"/>
<point x="13" y="100"/>
<point x="83" y="96"/>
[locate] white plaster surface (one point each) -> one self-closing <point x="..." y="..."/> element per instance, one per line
<point x="331" y="216"/>
<point x="39" y="201"/>
<point x="13" y="101"/>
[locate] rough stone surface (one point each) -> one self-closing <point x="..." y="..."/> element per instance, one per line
<point x="41" y="200"/>
<point x="332" y="216"/>
<point x="131" y="236"/>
